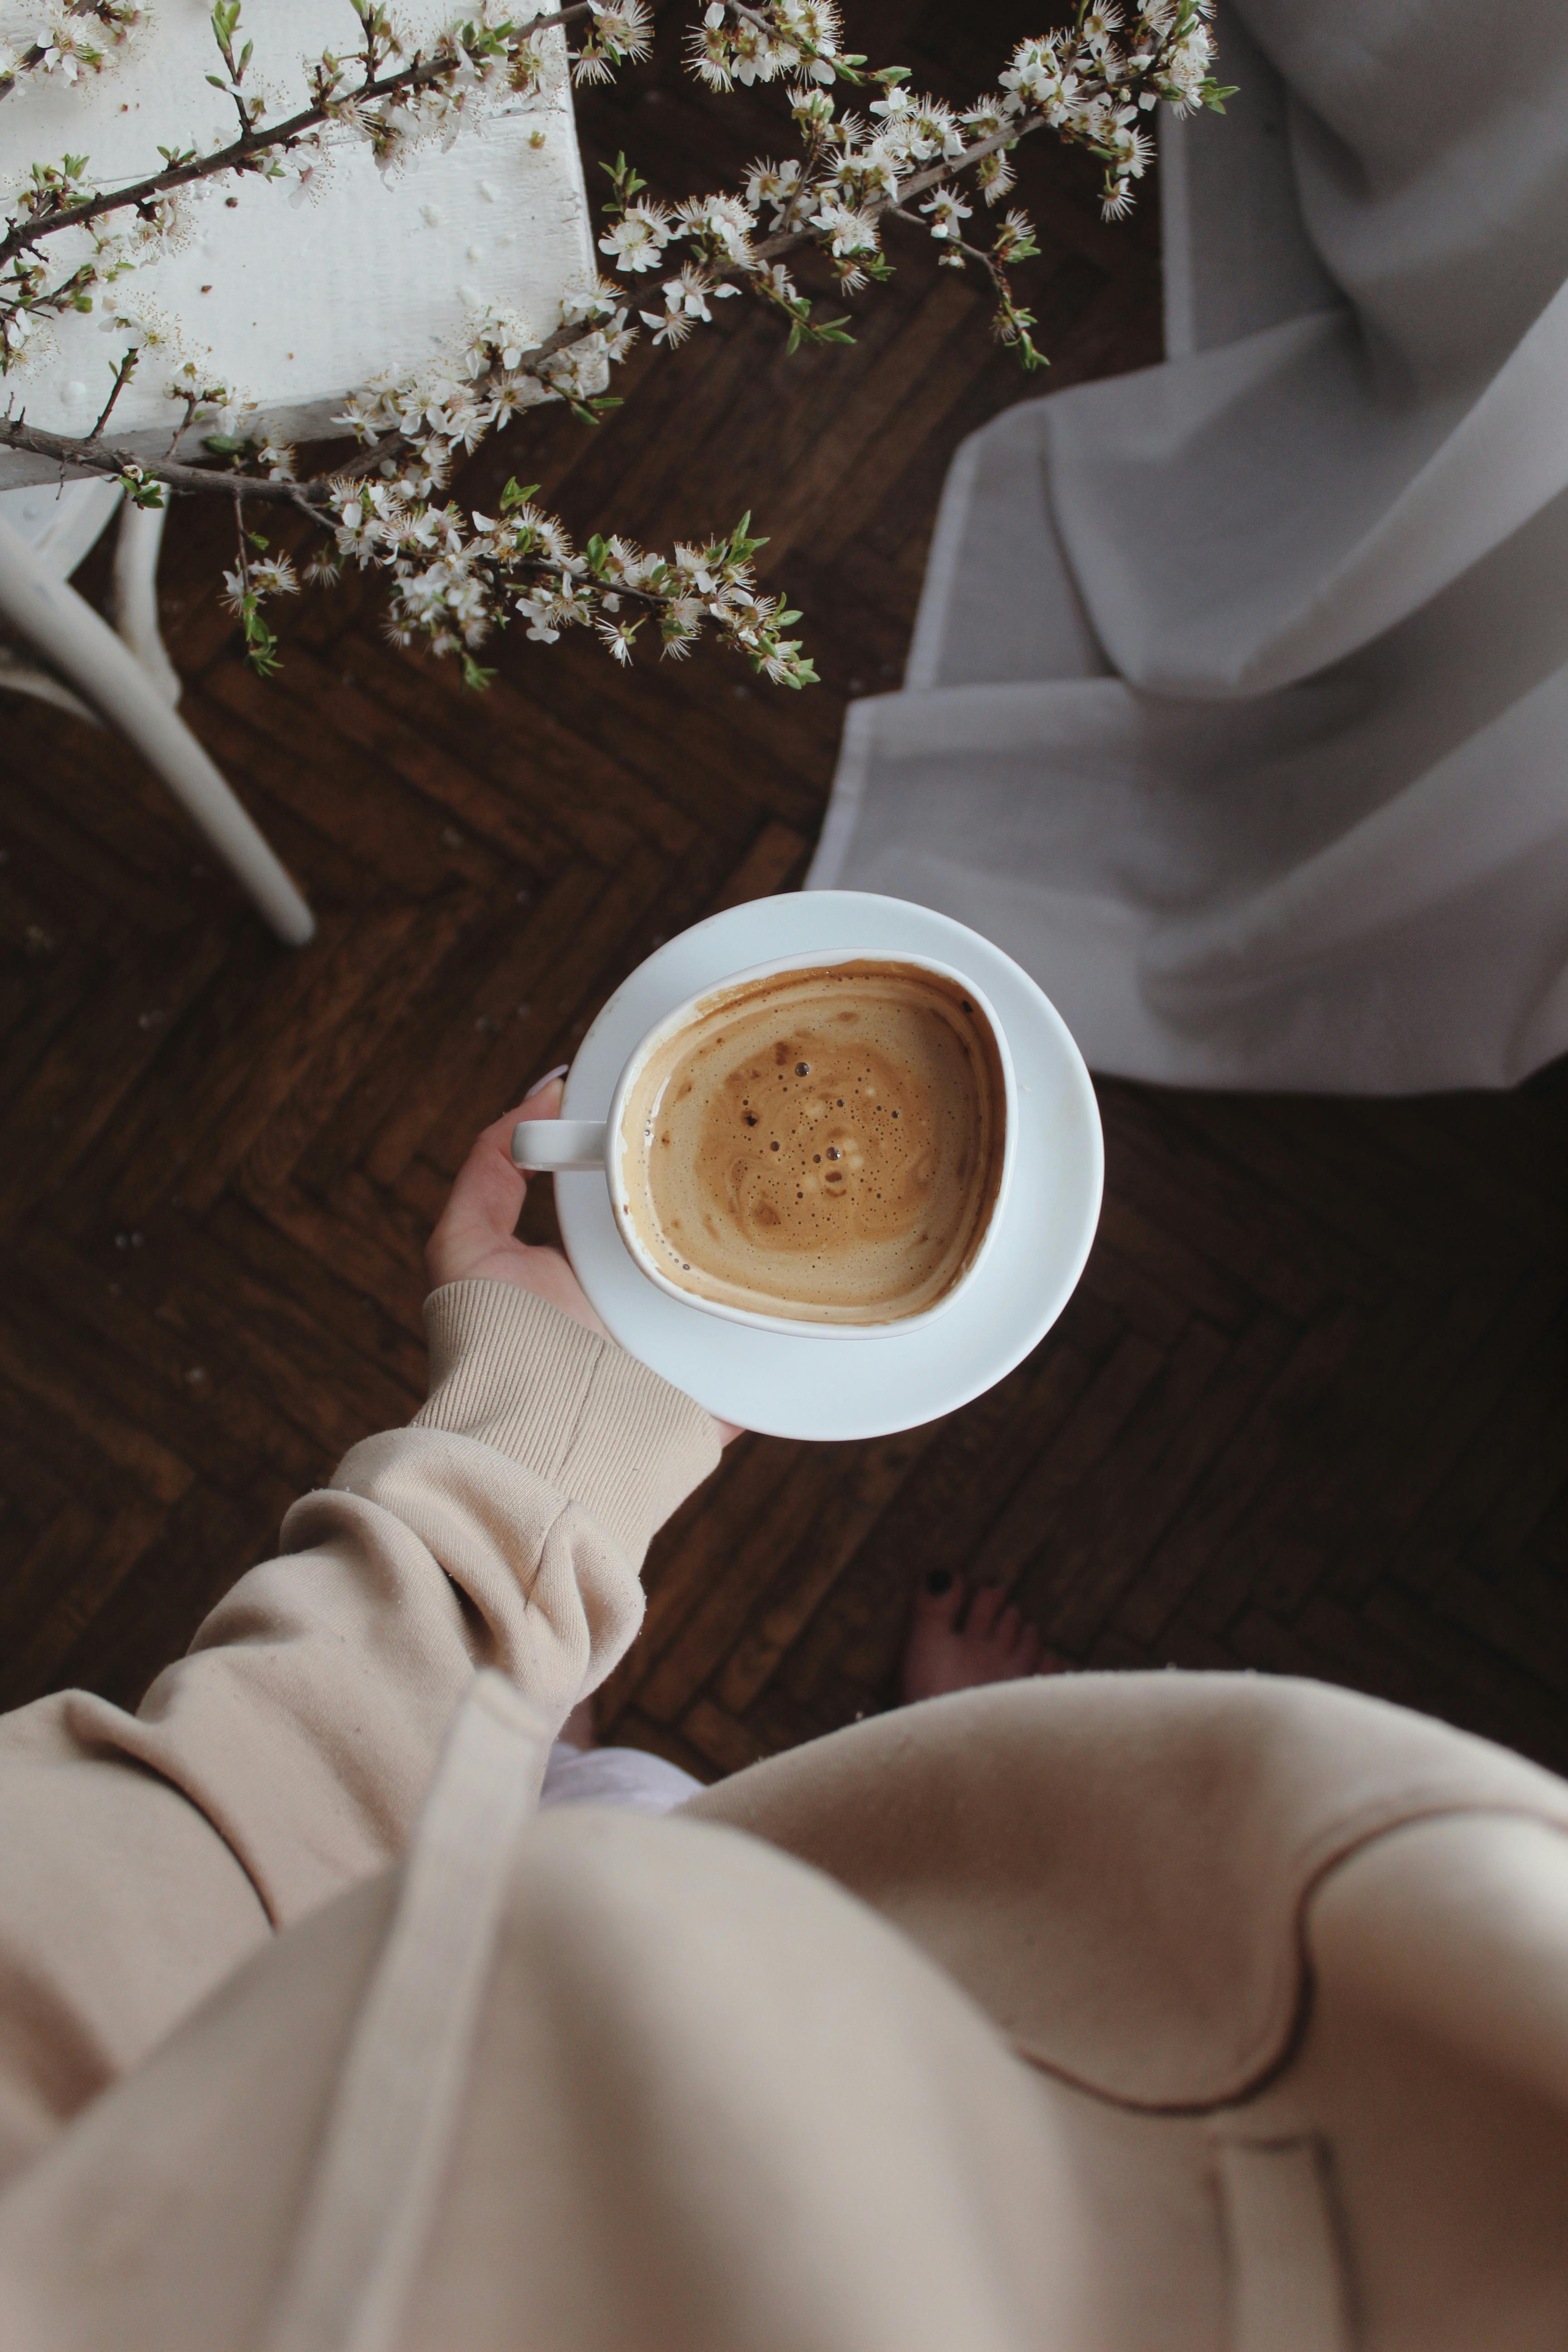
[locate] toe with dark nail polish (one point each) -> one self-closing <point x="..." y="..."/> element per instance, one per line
<point x="940" y="1580"/>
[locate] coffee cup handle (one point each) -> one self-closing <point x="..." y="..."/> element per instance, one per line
<point x="545" y="1146"/>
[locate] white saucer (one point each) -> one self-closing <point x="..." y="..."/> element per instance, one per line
<point x="802" y="1386"/>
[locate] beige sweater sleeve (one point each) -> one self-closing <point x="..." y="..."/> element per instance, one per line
<point x="143" y="1857"/>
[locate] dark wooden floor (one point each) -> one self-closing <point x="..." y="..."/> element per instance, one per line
<point x="1304" y="1412"/>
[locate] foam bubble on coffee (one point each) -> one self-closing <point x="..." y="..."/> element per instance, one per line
<point x="823" y="1145"/>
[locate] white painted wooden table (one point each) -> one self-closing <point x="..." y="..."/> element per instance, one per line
<point x="289" y="296"/>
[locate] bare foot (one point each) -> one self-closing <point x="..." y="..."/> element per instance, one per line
<point x="993" y="1645"/>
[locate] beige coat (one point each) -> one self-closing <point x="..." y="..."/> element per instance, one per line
<point x="1109" y="2013"/>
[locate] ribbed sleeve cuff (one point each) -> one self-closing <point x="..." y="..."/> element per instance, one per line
<point x="513" y="1371"/>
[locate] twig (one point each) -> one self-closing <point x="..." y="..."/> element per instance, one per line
<point x="185" y="478"/>
<point x="323" y="521"/>
<point x="197" y="479"/>
<point x="122" y="376"/>
<point x="241" y="151"/>
<point x="956" y="244"/>
<point x="183" y="427"/>
<point x="95" y="458"/>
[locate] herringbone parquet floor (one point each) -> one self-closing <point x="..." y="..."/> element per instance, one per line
<point x="1304" y="1412"/>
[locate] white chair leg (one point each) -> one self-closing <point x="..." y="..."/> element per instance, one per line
<point x="72" y="638"/>
<point x="133" y="596"/>
<point x="20" y="677"/>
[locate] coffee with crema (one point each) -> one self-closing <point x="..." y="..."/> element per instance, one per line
<point x="824" y="1145"/>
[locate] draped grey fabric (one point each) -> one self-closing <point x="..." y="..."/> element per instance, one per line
<point x="1238" y="698"/>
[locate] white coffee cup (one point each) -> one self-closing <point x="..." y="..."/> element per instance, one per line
<point x="558" y="1145"/>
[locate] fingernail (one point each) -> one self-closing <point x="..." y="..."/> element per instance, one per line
<point x="540" y="1084"/>
<point x="938" y="1583"/>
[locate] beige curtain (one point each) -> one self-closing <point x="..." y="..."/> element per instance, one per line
<point x="1238" y="698"/>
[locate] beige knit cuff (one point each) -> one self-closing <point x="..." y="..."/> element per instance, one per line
<point x="513" y="1371"/>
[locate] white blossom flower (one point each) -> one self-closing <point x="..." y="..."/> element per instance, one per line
<point x="773" y="184"/>
<point x="617" y="636"/>
<point x="465" y="421"/>
<point x="681" y="625"/>
<point x="64" y="51"/>
<point x="357" y="527"/>
<point x="709" y="51"/>
<point x="628" y="564"/>
<point x="927" y="129"/>
<point x="876" y="167"/>
<point x="779" y="283"/>
<point x="1187" y="69"/>
<point x="627" y="23"/>
<point x="692" y="563"/>
<point x="1131" y="148"/>
<point x="1099" y="26"/>
<point x="273" y="575"/>
<point x="995" y="175"/>
<point x="588" y="297"/>
<point x="755" y="55"/>
<point x="548" y="536"/>
<point x="515" y="392"/>
<point x="1037" y="77"/>
<point x="574" y="599"/>
<point x="670" y="326"/>
<point x="581" y="369"/>
<point x="849" y="231"/>
<point x="725" y="220"/>
<point x="506" y="333"/>
<point x="812" y="108"/>
<point x="359" y="416"/>
<point x="813" y="22"/>
<point x="637" y="239"/>
<point x="946" y="213"/>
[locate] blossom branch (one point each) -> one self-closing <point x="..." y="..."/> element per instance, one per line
<point x="67" y="53"/>
<point x="244" y="151"/>
<point x="90" y="457"/>
<point x="453" y="579"/>
<point x="122" y="375"/>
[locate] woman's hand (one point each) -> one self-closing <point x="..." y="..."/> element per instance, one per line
<point x="476" y="1236"/>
